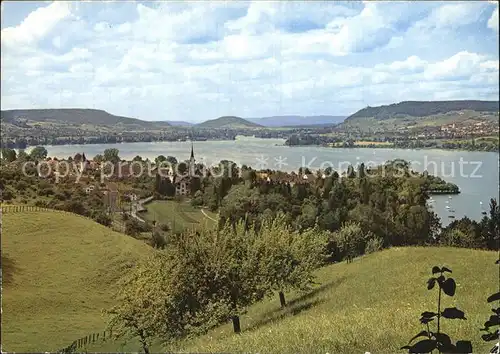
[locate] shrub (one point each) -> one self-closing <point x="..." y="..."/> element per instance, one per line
<point x="102" y="219"/>
<point x="374" y="245"/>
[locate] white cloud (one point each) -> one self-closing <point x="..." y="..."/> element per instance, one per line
<point x="37" y="24"/>
<point x="454" y="15"/>
<point x="462" y="64"/>
<point x="200" y="60"/>
<point x="493" y="21"/>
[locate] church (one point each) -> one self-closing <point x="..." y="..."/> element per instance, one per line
<point x="183" y="183"/>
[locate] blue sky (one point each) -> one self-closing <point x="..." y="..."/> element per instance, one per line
<point x="200" y="60"/>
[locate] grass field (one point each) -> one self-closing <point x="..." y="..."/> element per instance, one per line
<point x="58" y="271"/>
<point x="372" y="304"/>
<point x="179" y="215"/>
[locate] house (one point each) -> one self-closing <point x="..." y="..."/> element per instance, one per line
<point x="132" y="197"/>
<point x="89" y="189"/>
<point x="182" y="185"/>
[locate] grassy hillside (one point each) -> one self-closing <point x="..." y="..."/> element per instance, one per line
<point x="74" y="116"/>
<point x="228" y="122"/>
<point x="372" y="304"/>
<point x="58" y="274"/>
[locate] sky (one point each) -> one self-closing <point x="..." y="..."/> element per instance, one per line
<point x="200" y="60"/>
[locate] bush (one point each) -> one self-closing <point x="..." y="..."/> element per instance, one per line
<point x="7" y="194"/>
<point x="102" y="219"/>
<point x="164" y="227"/>
<point x="457" y="238"/>
<point x="374" y="245"/>
<point x="45" y="191"/>
<point x="158" y="240"/>
<point x="22" y="185"/>
<point x="41" y="204"/>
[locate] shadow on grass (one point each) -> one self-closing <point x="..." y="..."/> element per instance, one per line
<point x="288" y="311"/>
<point x="297" y="305"/>
<point x="316" y="291"/>
<point x="9" y="267"/>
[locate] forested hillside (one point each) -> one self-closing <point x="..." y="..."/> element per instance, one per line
<point x="424" y="109"/>
<point x="73" y="116"/>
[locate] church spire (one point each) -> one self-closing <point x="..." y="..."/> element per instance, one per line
<point x="192" y="152"/>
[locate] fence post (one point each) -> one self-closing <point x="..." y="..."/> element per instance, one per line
<point x="93" y="337"/>
<point x="97" y="336"/>
<point x="104" y="336"/>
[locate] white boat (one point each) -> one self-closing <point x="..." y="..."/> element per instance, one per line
<point x="447" y="207"/>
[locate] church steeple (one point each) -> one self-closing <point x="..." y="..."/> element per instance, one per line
<point x="192" y="152"/>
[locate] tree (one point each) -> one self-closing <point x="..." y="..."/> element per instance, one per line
<point x="38" y="153"/>
<point x="182" y="168"/>
<point x="98" y="158"/>
<point x="132" y="227"/>
<point x="111" y="155"/>
<point x="22" y="156"/>
<point x="219" y="274"/>
<point x="146" y="303"/>
<point x="350" y="240"/>
<point x="287" y="258"/>
<point x="172" y="160"/>
<point x="78" y="157"/>
<point x="490" y="226"/>
<point x="8" y="155"/>
<point x="137" y="158"/>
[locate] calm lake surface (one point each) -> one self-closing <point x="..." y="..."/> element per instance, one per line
<point x="476" y="173"/>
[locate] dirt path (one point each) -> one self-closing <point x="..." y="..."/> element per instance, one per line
<point x="207" y="216"/>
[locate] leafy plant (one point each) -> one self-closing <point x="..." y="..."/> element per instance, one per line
<point x="493" y="321"/>
<point x="438" y="340"/>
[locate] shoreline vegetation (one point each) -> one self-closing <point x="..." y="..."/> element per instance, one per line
<point x="486" y="144"/>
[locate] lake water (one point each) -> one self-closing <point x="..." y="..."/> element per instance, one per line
<point x="476" y="173"/>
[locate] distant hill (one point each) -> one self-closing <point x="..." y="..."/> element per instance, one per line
<point x="423" y="109"/>
<point x="178" y="123"/>
<point x="291" y="121"/>
<point x="412" y="114"/>
<point x="75" y="116"/>
<point x="228" y="122"/>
